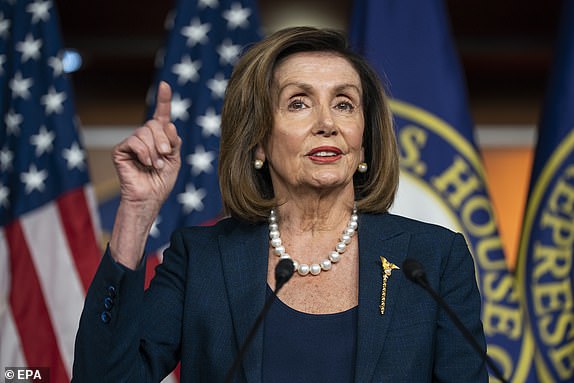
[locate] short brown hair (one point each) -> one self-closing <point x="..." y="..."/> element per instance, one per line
<point x="247" y="120"/>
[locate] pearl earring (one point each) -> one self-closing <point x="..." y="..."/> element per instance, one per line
<point x="258" y="164"/>
<point x="363" y="167"/>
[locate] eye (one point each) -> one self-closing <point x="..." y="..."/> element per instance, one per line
<point x="345" y="106"/>
<point x="297" y="104"/>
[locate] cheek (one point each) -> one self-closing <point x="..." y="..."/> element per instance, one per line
<point x="288" y="135"/>
<point x="357" y="140"/>
<point x="352" y="126"/>
<point x="284" y="146"/>
<point x="354" y="137"/>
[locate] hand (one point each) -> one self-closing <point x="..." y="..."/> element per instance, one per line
<point x="147" y="162"/>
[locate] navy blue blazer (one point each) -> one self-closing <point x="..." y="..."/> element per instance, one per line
<point x="211" y="286"/>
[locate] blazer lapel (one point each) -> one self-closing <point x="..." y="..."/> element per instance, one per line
<point x="244" y="254"/>
<point x="378" y="236"/>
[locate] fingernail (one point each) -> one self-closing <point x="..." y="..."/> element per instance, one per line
<point x="159" y="164"/>
<point x="164" y="148"/>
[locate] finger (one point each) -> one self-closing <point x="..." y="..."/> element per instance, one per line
<point x="166" y="138"/>
<point x="153" y="137"/>
<point x="161" y="141"/>
<point x="141" y="145"/>
<point x="173" y="137"/>
<point x="133" y="148"/>
<point x="162" y="111"/>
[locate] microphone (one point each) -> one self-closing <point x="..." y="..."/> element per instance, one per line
<point x="283" y="272"/>
<point x="415" y="272"/>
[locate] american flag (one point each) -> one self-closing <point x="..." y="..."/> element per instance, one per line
<point x="48" y="226"/>
<point x="205" y="39"/>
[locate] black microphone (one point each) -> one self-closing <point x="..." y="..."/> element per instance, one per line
<point x="283" y="272"/>
<point x="415" y="272"/>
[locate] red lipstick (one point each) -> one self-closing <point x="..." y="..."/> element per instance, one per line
<point x="325" y="154"/>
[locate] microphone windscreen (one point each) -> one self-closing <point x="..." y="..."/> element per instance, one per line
<point x="413" y="270"/>
<point x="283" y="271"/>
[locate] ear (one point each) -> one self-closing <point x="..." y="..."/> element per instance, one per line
<point x="259" y="153"/>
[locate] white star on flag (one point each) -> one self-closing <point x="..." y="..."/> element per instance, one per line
<point x="34" y="179"/>
<point x="42" y="141"/>
<point x="154" y="230"/>
<point x="53" y="101"/>
<point x="4" y="193"/>
<point x="13" y="121"/>
<point x="196" y="32"/>
<point x="6" y="158"/>
<point x="228" y="53"/>
<point x="210" y="123"/>
<point x="191" y="199"/>
<point x="57" y="65"/>
<point x="179" y="108"/>
<point x="74" y="156"/>
<point x="4" y="26"/>
<point x="40" y="10"/>
<point x="2" y="61"/>
<point x="208" y="3"/>
<point x="200" y="161"/>
<point x="217" y="85"/>
<point x="237" y="16"/>
<point x="29" y="48"/>
<point x="187" y="70"/>
<point x="20" y="87"/>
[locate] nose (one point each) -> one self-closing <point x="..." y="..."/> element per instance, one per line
<point x="324" y="125"/>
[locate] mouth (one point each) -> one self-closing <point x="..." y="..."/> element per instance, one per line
<point x="324" y="153"/>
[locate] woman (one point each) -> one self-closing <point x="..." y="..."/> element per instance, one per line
<point x="308" y="169"/>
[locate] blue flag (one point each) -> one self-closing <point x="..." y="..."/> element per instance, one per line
<point x="206" y="38"/>
<point x="547" y="243"/>
<point x="442" y="179"/>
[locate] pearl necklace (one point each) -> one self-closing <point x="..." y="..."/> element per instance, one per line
<point x="315" y="268"/>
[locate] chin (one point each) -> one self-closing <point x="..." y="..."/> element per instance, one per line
<point x="331" y="181"/>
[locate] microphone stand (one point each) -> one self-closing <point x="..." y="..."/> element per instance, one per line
<point x="415" y="272"/>
<point x="283" y="272"/>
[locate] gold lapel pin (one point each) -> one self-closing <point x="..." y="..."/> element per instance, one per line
<point x="388" y="268"/>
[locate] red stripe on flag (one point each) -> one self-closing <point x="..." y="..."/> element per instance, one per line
<point x="177" y="371"/>
<point x="211" y="222"/>
<point x="29" y="308"/>
<point x="152" y="261"/>
<point x="78" y="226"/>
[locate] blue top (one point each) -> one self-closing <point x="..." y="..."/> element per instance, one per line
<point x="300" y="347"/>
<point x="204" y="297"/>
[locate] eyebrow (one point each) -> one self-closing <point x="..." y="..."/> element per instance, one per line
<point x="309" y="88"/>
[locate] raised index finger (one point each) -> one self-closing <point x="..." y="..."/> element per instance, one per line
<point x="162" y="111"/>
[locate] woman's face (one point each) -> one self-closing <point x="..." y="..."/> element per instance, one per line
<point x="316" y="139"/>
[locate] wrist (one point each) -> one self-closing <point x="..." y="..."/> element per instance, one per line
<point x="129" y="234"/>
